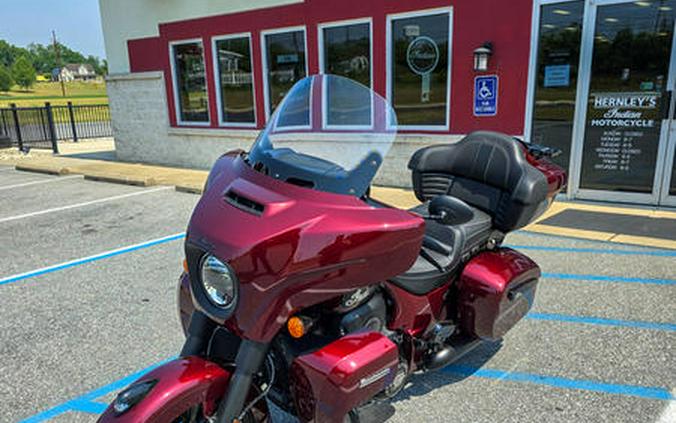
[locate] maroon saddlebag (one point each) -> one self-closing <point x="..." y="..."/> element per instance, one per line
<point x="496" y="290"/>
<point x="328" y="383"/>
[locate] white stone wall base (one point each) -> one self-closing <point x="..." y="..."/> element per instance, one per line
<point x="140" y="122"/>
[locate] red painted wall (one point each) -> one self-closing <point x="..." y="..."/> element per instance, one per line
<point x="505" y="23"/>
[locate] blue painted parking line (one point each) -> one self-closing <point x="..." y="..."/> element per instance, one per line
<point x="670" y="327"/>
<point x="655" y="253"/>
<point x="86" y="403"/>
<point x="647" y="392"/>
<point x="84" y="260"/>
<point x="88" y="407"/>
<point x="608" y="278"/>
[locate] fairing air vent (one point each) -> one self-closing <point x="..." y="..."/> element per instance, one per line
<point x="243" y="203"/>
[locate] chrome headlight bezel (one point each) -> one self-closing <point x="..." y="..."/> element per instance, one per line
<point x="218" y="268"/>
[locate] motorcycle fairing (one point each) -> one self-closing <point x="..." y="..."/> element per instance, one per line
<point x="291" y="246"/>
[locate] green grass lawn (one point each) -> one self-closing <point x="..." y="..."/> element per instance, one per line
<point x="79" y="93"/>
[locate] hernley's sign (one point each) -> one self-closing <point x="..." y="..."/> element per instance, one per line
<point x="625" y="109"/>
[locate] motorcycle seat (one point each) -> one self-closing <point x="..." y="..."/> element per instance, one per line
<point x="444" y="248"/>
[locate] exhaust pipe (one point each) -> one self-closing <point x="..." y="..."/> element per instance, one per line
<point x="449" y="353"/>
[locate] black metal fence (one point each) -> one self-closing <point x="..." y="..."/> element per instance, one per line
<point x="42" y="127"/>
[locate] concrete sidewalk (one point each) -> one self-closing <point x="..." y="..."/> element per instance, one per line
<point x="97" y="161"/>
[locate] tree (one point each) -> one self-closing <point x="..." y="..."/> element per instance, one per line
<point x="6" y="80"/>
<point x="23" y="72"/>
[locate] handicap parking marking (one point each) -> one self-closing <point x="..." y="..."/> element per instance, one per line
<point x="45" y="181"/>
<point x="77" y="262"/>
<point x="84" y="204"/>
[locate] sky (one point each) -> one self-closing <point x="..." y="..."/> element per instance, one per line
<point x="77" y="23"/>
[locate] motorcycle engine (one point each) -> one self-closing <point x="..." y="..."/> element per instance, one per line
<point x="362" y="309"/>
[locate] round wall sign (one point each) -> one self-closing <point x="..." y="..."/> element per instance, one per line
<point x="422" y="55"/>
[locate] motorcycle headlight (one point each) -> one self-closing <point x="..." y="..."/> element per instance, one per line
<point x="218" y="282"/>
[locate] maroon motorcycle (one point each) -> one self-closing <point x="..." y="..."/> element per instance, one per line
<point x="301" y="290"/>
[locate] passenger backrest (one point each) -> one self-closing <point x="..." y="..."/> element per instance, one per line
<point x="487" y="170"/>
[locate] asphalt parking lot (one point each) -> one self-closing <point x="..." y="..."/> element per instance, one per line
<point x="87" y="299"/>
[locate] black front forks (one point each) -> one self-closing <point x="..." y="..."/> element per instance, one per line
<point x="199" y="333"/>
<point x="248" y="361"/>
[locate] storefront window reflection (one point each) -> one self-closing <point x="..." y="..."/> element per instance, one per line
<point x="420" y="69"/>
<point x="558" y="60"/>
<point x="190" y="82"/>
<point x="347" y="52"/>
<point x="235" y="81"/>
<point x="285" y="64"/>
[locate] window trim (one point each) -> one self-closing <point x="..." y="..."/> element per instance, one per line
<point x="177" y="101"/>
<point x="322" y="62"/>
<point x="219" y="101"/>
<point x="388" y="65"/>
<point x="264" y="60"/>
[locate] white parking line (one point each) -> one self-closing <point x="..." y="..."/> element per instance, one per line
<point x="669" y="413"/>
<point x="3" y="169"/>
<point x="87" y="203"/>
<point x="45" y="181"/>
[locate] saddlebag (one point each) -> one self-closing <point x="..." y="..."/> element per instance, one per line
<point x="328" y="383"/>
<point x="496" y="290"/>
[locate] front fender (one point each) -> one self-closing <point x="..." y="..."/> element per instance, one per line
<point x="181" y="384"/>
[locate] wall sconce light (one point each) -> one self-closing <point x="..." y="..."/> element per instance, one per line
<point x="481" y="56"/>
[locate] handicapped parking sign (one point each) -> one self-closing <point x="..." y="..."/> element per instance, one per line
<point x="486" y="95"/>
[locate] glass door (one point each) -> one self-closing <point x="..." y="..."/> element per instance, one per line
<point x="556" y="75"/>
<point x="626" y="123"/>
<point x="668" y="196"/>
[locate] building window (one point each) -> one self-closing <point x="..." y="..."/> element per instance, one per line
<point x="419" y="48"/>
<point x="345" y="50"/>
<point x="558" y="58"/>
<point x="190" y="82"/>
<point x="234" y="80"/>
<point x="284" y="63"/>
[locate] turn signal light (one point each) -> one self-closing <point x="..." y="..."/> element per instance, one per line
<point x="296" y="327"/>
<point x="185" y="265"/>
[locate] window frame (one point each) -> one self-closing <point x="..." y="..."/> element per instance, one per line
<point x="322" y="62"/>
<point x="219" y="101"/>
<point x="174" y="81"/>
<point x="388" y="66"/>
<point x="264" y="61"/>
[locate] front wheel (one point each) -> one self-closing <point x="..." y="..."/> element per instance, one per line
<point x="257" y="413"/>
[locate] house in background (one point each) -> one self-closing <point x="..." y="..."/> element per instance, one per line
<point x="74" y="72"/>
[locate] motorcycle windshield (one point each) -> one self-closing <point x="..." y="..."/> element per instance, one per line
<point x="329" y="133"/>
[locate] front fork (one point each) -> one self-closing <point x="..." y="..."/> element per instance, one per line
<point x="248" y="361"/>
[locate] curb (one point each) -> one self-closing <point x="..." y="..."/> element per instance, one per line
<point x="44" y="169"/>
<point x="188" y="189"/>
<point x="141" y="182"/>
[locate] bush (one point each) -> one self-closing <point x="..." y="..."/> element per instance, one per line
<point x="23" y="72"/>
<point x="6" y="80"/>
